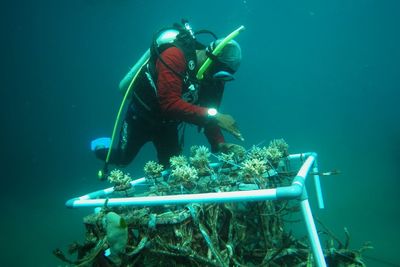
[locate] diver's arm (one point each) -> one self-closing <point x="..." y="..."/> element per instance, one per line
<point x="169" y="89"/>
<point x="211" y="94"/>
<point x="214" y="136"/>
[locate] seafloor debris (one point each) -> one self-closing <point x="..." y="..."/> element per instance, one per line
<point x="230" y="234"/>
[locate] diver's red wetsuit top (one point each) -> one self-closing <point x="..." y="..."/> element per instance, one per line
<point x="169" y="89"/>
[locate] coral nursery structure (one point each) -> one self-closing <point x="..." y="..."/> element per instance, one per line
<point x="217" y="234"/>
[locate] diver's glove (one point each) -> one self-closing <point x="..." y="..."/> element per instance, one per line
<point x="228" y="148"/>
<point x="228" y="123"/>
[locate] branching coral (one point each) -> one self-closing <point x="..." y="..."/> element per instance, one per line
<point x="281" y="145"/>
<point x="178" y="161"/>
<point x="276" y="150"/>
<point x="227" y="160"/>
<point x="257" y="153"/>
<point x="186" y="175"/>
<point x="200" y="151"/>
<point x="120" y="180"/>
<point x="200" y="159"/>
<point x="152" y="169"/>
<point x="253" y="168"/>
<point x="239" y="153"/>
<point x="274" y="155"/>
<point x="234" y="155"/>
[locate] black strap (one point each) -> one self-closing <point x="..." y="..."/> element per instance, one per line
<point x="181" y="129"/>
<point x="212" y="56"/>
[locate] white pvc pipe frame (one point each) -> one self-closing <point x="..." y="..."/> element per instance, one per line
<point x="296" y="190"/>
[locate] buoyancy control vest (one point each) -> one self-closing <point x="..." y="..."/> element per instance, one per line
<point x="145" y="99"/>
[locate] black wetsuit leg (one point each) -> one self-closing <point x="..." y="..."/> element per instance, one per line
<point x="166" y="142"/>
<point x="135" y="132"/>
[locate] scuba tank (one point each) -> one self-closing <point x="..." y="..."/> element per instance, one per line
<point x="182" y="35"/>
<point x="167" y="36"/>
<point x="124" y="83"/>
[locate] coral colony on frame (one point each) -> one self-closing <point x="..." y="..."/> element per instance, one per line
<point x="223" y="234"/>
<point x="120" y="180"/>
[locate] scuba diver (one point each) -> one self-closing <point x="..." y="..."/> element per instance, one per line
<point x="178" y="80"/>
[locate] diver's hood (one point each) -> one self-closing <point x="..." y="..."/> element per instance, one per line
<point x="227" y="62"/>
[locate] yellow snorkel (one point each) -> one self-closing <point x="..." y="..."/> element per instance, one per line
<point x="217" y="50"/>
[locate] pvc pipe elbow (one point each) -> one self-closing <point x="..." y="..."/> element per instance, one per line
<point x="70" y="203"/>
<point x="289" y="192"/>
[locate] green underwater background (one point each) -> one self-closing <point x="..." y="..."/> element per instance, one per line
<point x="323" y="75"/>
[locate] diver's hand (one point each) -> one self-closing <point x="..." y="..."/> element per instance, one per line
<point x="228" y="123"/>
<point x="228" y="148"/>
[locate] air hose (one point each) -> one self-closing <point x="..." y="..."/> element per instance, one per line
<point x="104" y="171"/>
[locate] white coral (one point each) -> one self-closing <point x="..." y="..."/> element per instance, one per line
<point x="258" y="153"/>
<point x="120" y="180"/>
<point x="178" y="161"/>
<point x="274" y="154"/>
<point x="200" y="159"/>
<point x="152" y="169"/>
<point x="184" y="173"/>
<point x="253" y="168"/>
<point x="200" y="151"/>
<point x="281" y="145"/>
